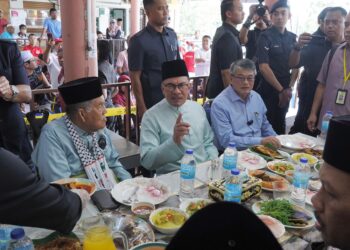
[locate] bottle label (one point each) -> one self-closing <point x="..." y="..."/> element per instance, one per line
<point x="324" y="127"/>
<point x="301" y="180"/>
<point x="25" y="247"/>
<point x="230" y="162"/>
<point x="233" y="192"/>
<point x="187" y="171"/>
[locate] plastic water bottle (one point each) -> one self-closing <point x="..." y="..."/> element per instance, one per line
<point x="20" y="241"/>
<point x="300" y="182"/>
<point x="233" y="187"/>
<point x="187" y="175"/>
<point x="230" y="160"/>
<point x="325" y="124"/>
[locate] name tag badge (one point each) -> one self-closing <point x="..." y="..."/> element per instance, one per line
<point x="341" y="97"/>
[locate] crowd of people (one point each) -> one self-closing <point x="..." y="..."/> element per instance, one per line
<point x="250" y="99"/>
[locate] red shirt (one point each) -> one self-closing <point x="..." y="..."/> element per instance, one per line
<point x="35" y="50"/>
<point x="3" y="23"/>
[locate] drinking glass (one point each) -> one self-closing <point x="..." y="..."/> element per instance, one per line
<point x="281" y="190"/>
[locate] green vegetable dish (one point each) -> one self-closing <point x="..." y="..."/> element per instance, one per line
<point x="284" y="211"/>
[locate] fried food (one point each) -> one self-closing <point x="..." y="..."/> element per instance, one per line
<point x="267" y="151"/>
<point x="315" y="152"/>
<point x="61" y="243"/>
<point x="266" y="178"/>
<point x="78" y="185"/>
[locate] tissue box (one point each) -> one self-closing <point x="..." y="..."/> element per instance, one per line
<point x="250" y="188"/>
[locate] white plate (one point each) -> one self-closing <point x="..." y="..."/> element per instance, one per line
<point x="78" y="180"/>
<point x="272" y="163"/>
<point x="271" y="174"/>
<point x="311" y="222"/>
<point x="247" y="160"/>
<point x="275" y="226"/>
<point x="142" y="190"/>
<point x="250" y="160"/>
<point x="186" y="203"/>
<point x="296" y="142"/>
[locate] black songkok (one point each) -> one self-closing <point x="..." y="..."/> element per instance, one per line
<point x="80" y="90"/>
<point x="279" y="4"/>
<point x="174" y="68"/>
<point x="336" y="150"/>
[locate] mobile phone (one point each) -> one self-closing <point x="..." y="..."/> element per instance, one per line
<point x="104" y="200"/>
<point x="49" y="36"/>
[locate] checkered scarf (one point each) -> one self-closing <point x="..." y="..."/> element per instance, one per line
<point x="99" y="175"/>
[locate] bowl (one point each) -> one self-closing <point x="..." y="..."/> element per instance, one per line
<point x="312" y="160"/>
<point x="151" y="246"/>
<point x="142" y="209"/>
<point x="168" y="220"/>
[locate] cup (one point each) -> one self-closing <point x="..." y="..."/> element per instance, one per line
<point x="214" y="170"/>
<point x="281" y="190"/>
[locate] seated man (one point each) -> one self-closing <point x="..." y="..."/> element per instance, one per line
<point x="78" y="143"/>
<point x="27" y="200"/>
<point x="238" y="114"/>
<point x="175" y="124"/>
<point x="332" y="202"/>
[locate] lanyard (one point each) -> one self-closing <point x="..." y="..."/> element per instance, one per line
<point x="346" y="74"/>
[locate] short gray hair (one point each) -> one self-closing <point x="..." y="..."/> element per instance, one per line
<point x="242" y="64"/>
<point x="73" y="109"/>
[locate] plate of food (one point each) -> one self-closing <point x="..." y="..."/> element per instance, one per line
<point x="168" y="220"/>
<point x="137" y="230"/>
<point x="314" y="152"/>
<point x="140" y="190"/>
<point x="269" y="153"/>
<point x="290" y="215"/>
<point x="77" y="183"/>
<point x="311" y="160"/>
<point x="190" y="206"/>
<point x="267" y="178"/>
<point x="280" y="167"/>
<point x="275" y="226"/>
<point x="318" y="165"/>
<point x="296" y="142"/>
<point x="249" y="160"/>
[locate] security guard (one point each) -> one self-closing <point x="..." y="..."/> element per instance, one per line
<point x="274" y="47"/>
<point x="148" y="49"/>
<point x="226" y="47"/>
<point x="309" y="53"/>
<point x="14" y="89"/>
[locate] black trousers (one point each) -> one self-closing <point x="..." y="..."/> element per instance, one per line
<point x="275" y="114"/>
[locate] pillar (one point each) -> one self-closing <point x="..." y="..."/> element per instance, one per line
<point x="135" y="16"/>
<point x="79" y="38"/>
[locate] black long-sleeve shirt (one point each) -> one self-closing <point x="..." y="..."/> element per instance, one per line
<point x="27" y="200"/>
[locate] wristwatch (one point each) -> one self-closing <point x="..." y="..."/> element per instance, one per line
<point x="14" y="90"/>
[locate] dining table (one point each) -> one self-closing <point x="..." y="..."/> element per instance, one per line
<point x="293" y="239"/>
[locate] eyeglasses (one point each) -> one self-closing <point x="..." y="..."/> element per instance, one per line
<point x="242" y="79"/>
<point x="172" y="87"/>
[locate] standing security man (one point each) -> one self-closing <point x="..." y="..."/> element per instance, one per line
<point x="226" y="47"/>
<point x="148" y="49"/>
<point x="14" y="89"/>
<point x="274" y="47"/>
<point x="309" y="53"/>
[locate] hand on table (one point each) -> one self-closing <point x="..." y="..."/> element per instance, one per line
<point x="180" y="130"/>
<point x="83" y="195"/>
<point x="271" y="141"/>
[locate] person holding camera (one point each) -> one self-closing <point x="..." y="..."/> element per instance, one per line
<point x="309" y="52"/>
<point x="259" y="15"/>
<point x="274" y="47"/>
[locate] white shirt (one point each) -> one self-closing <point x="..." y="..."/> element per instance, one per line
<point x="203" y="69"/>
<point x="54" y="69"/>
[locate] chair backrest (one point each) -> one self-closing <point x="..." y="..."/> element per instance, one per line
<point x="207" y="108"/>
<point x="37" y="119"/>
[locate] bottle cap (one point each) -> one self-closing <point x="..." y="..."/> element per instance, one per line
<point x="235" y="171"/>
<point x="232" y="144"/>
<point x="189" y="151"/>
<point x="17" y="233"/>
<point x="303" y="160"/>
